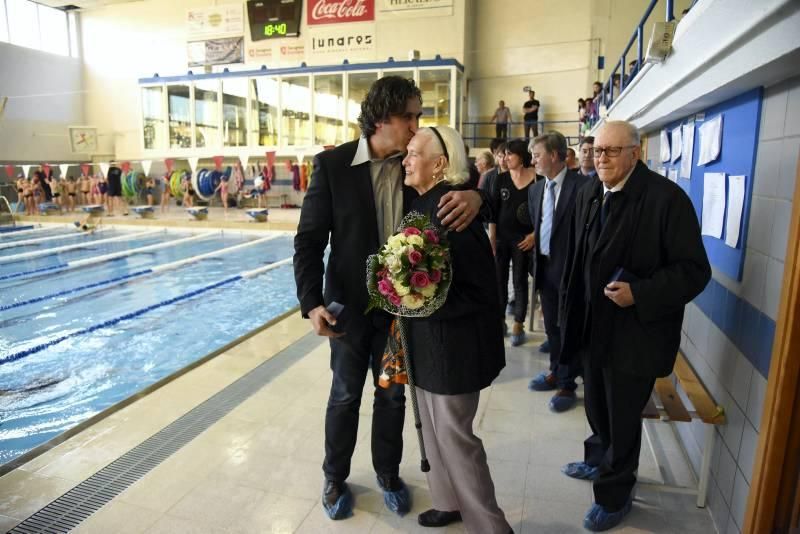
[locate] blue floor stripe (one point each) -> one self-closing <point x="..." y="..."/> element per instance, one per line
<point x="74" y="290"/>
<point x="112" y="322"/>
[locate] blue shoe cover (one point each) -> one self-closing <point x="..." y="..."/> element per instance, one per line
<point x="398" y="501"/>
<point x="342" y="508"/>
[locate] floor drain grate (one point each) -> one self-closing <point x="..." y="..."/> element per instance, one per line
<point x="69" y="510"/>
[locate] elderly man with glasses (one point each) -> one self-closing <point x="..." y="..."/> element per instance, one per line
<point x="635" y="259"/>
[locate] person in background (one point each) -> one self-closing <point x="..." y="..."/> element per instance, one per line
<point x="166" y="192"/>
<point x="531" y="116"/>
<point x="71" y="188"/>
<point x="551" y="203"/>
<point x="238" y="180"/>
<point x="457" y="351"/>
<point x="586" y="157"/>
<point x="581" y="109"/>
<point x="501" y="119"/>
<point x="37" y="190"/>
<point x="86" y="189"/>
<point x="474" y="173"/>
<point x="498" y="148"/>
<point x="188" y="192"/>
<point x="635" y="258"/>
<point x="511" y="232"/>
<point x="572" y="161"/>
<point x="355" y="201"/>
<point x="89" y="224"/>
<point x="150" y="190"/>
<point x="223" y="193"/>
<point x="27" y="195"/>
<point x="484" y="163"/>
<point x="114" y="191"/>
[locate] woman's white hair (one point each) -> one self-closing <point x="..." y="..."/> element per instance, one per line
<point x="457" y="171"/>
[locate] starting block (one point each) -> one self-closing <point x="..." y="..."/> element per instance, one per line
<point x="94" y="209"/>
<point x="145" y="212"/>
<point x="259" y="215"/>
<point x="47" y="208"/>
<point x="199" y="214"/>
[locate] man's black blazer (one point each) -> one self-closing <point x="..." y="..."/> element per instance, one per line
<point x="653" y="234"/>
<point x="573" y="181"/>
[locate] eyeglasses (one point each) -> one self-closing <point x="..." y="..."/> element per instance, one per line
<point x="610" y="151"/>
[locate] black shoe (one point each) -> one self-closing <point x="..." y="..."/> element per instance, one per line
<point x="395" y="494"/>
<point x="336" y="500"/>
<point x="437" y="518"/>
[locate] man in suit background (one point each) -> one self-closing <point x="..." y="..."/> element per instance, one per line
<point x="551" y="203"/>
<point x="635" y="259"/>
<point x="356" y="200"/>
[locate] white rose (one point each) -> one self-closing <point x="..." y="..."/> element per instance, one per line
<point x="400" y="289"/>
<point x="428" y="291"/>
<point x="396" y="242"/>
<point x="415" y="240"/>
<point x="412" y="302"/>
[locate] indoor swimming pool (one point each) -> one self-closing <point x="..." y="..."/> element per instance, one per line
<point x="87" y="321"/>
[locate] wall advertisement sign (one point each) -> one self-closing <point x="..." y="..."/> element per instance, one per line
<point x="214" y="21"/>
<point x="351" y="42"/>
<point x="416" y="8"/>
<point x="339" y="11"/>
<point x="216" y="51"/>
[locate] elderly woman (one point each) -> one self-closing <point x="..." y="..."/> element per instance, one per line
<point x="458" y="350"/>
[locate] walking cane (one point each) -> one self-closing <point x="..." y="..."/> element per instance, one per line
<point x="424" y="465"/>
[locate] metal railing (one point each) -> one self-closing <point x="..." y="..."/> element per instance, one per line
<point x="609" y="92"/>
<point x="478" y="134"/>
<point x="6" y="216"/>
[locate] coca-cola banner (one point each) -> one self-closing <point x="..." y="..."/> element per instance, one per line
<point x="338" y="11"/>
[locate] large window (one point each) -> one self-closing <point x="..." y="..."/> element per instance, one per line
<point x="435" y="88"/>
<point x="26" y="23"/>
<point x="153" y="116"/>
<point x="296" y="111"/>
<point x="328" y="109"/>
<point x="234" y="111"/>
<point x="358" y="87"/>
<point x="206" y="113"/>
<point x="180" y="117"/>
<point x="264" y="111"/>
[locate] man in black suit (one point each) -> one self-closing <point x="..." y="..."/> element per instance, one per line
<point x="356" y="200"/>
<point x="551" y="203"/>
<point x="635" y="259"/>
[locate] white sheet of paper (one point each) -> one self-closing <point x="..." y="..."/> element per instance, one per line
<point x="713" y="204"/>
<point x="688" y="150"/>
<point x="733" y="221"/>
<point x="676" y="144"/>
<point x="710" y="140"/>
<point x="673" y="175"/>
<point x="664" y="146"/>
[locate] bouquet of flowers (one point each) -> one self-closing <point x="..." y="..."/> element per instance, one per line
<point x="410" y="276"/>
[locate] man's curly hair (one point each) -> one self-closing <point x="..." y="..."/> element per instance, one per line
<point x="388" y="96"/>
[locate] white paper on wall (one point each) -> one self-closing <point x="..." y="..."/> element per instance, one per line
<point x="664" y="146"/>
<point x="733" y="221"/>
<point x="676" y="144"/>
<point x="710" y="140"/>
<point x="713" y="204"/>
<point x="687" y="151"/>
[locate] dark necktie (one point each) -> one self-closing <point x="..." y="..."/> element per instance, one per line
<point x="605" y="208"/>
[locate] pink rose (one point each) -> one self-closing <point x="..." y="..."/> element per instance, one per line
<point x="385" y="287"/>
<point x="411" y="231"/>
<point x="420" y="279"/>
<point x="415" y="256"/>
<point x="435" y="276"/>
<point x="432" y="236"/>
<point x="394" y="299"/>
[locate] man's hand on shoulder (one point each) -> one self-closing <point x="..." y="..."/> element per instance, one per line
<point x="321" y="321"/>
<point x="457" y="209"/>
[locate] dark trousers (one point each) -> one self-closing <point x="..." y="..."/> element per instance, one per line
<point x="614" y="402"/>
<point x="531" y="127"/>
<point x="507" y="252"/>
<point x="350" y="363"/>
<point x="501" y="130"/>
<point x="549" y="283"/>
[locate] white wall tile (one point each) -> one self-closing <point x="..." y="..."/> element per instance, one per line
<point x="732" y="528"/>
<point x="727" y="473"/>
<point x="743" y="373"/>
<point x="787" y="175"/>
<point x="773" y="111"/>
<point x="780" y="229"/>
<point x="734" y="424"/>
<point x="767" y="171"/>
<point x="755" y="400"/>
<point x="718" y="354"/>
<point x="792" y="123"/>
<point x="772" y="288"/>
<point x="759" y="232"/>
<point x="739" y="500"/>
<point x="720" y="511"/>
<point x="698" y="331"/>
<point x="755" y="269"/>
<point x="747" y="451"/>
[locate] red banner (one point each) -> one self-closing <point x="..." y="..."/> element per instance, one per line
<point x="46" y="170"/>
<point x="218" y="162"/>
<point x="85" y="169"/>
<point x="270" y="163"/>
<point x="169" y="163"/>
<point x="126" y="167"/>
<point x="338" y="11"/>
<point x="10" y="171"/>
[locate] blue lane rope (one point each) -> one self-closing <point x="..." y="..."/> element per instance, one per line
<point x="112" y="322"/>
<point x="74" y="290"/>
<point x="34" y="271"/>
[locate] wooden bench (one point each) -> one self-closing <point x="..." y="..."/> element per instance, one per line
<point x="665" y="404"/>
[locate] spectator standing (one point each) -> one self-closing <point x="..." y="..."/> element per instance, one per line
<point x="586" y="157"/>
<point x="531" y="117"/>
<point x="635" y="259"/>
<point x="501" y="119"/>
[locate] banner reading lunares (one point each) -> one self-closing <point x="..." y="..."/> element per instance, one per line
<point x="339" y="11"/>
<point x="333" y="44"/>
